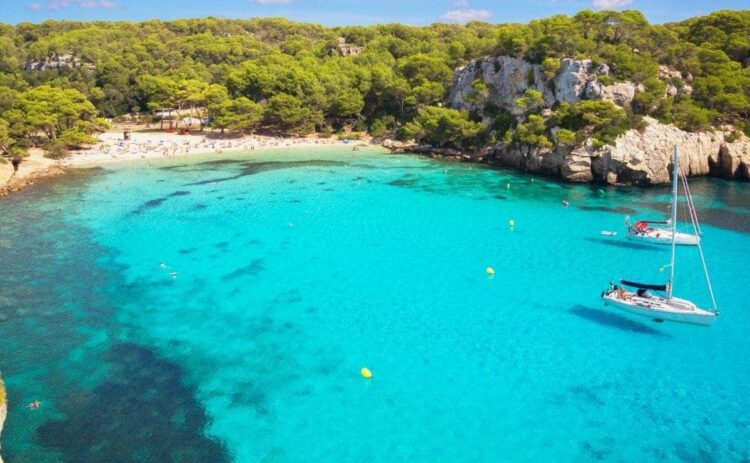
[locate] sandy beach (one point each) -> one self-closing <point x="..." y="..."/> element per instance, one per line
<point x="147" y="146"/>
<point x="163" y="145"/>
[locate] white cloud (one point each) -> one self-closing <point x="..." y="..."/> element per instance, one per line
<point x="466" y="15"/>
<point x="611" y="4"/>
<point x="63" y="4"/>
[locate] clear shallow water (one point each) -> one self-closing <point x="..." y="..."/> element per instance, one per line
<point x="297" y="268"/>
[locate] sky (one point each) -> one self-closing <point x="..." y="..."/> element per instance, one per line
<point x="345" y="12"/>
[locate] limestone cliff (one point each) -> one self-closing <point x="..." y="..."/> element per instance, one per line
<point x="641" y="158"/>
<point x="637" y="157"/>
<point x="508" y="78"/>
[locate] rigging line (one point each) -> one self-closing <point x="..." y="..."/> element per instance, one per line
<point x="708" y="279"/>
<point x="696" y="227"/>
<point x="691" y="204"/>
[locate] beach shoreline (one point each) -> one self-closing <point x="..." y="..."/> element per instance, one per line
<point x="111" y="147"/>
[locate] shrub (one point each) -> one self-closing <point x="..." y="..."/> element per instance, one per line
<point x="605" y="80"/>
<point x="377" y="128"/>
<point x="550" y="67"/>
<point x="75" y="139"/>
<point x="444" y="127"/>
<point x="56" y="150"/>
<point x="566" y="137"/>
<point x="532" y="101"/>
<point x="732" y="137"/>
<point x="532" y="132"/>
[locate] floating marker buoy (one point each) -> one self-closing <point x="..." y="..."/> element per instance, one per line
<point x="366" y="373"/>
<point x="490" y="271"/>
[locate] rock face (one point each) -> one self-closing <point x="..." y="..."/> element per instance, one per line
<point x="641" y="158"/>
<point x="619" y="93"/>
<point x="398" y="146"/>
<point x="508" y="78"/>
<point x="733" y="160"/>
<point x="57" y="61"/>
<point x="637" y="158"/>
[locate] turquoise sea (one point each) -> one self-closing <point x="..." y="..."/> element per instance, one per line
<point x="293" y="269"/>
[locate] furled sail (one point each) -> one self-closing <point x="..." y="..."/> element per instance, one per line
<point x="633" y="284"/>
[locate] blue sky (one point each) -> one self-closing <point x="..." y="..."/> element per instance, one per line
<point x="341" y="12"/>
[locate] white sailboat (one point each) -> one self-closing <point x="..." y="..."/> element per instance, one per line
<point x="666" y="307"/>
<point x="650" y="232"/>
<point x="661" y="232"/>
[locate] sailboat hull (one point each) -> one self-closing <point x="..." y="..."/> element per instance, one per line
<point x="663" y="236"/>
<point x="656" y="308"/>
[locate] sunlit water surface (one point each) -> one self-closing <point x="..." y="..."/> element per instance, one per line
<point x="294" y="269"/>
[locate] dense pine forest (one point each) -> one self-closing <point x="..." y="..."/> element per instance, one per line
<point x="59" y="81"/>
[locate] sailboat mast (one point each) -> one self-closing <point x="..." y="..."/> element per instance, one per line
<point x="675" y="175"/>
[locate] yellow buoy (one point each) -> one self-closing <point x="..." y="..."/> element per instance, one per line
<point x="490" y="271"/>
<point x="366" y="373"/>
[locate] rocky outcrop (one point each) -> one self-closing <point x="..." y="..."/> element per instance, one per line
<point x="30" y="169"/>
<point x="637" y="158"/>
<point x="619" y="93"/>
<point x="398" y="146"/>
<point x="733" y="160"/>
<point x="646" y="157"/>
<point x="57" y="61"/>
<point x="508" y="78"/>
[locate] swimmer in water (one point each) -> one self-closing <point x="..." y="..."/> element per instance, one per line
<point x="35" y="405"/>
<point x="565" y="203"/>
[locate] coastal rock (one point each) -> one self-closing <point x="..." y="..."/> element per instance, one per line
<point x="572" y="79"/>
<point x="640" y="158"/>
<point x="665" y="73"/>
<point x="646" y="157"/>
<point x="508" y="79"/>
<point x="399" y="146"/>
<point x="619" y="93"/>
<point x="576" y="166"/>
<point x="6" y="172"/>
<point x="732" y="160"/>
<point x="528" y="158"/>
